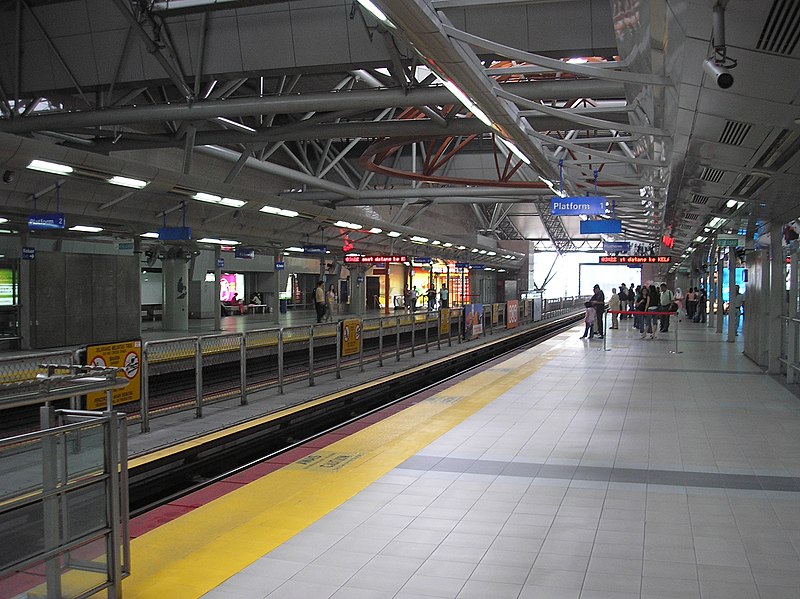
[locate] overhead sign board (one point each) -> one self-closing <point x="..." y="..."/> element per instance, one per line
<point x="244" y="253"/>
<point x="315" y="249"/>
<point x="616" y="247"/>
<point x="578" y="205"/>
<point x="421" y="260"/>
<point x="462" y="264"/>
<point x="175" y="233"/>
<point x="280" y="265"/>
<point x="605" y="225"/>
<point x="43" y="222"/>
<point x="126" y="355"/>
<point x="635" y="259"/>
<point x="476" y="267"/>
<point x="220" y="262"/>
<point x="375" y="259"/>
<point x="28" y="253"/>
<point x="730" y="241"/>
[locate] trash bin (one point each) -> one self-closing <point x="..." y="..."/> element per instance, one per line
<point x="283" y="305"/>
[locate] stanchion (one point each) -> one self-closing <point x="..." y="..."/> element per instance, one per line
<point x="605" y="331"/>
<point x="676" y="350"/>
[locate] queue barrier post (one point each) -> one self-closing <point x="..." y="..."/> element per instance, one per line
<point x="676" y="350"/>
<point x="605" y="330"/>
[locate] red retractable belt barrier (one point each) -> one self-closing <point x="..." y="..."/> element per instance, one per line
<point x="650" y="312"/>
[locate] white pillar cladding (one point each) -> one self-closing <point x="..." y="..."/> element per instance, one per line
<point x="791" y="342"/>
<point x="358" y="286"/>
<point x="276" y="301"/>
<point x="175" y="297"/>
<point x="777" y="295"/>
<point x="733" y="322"/>
<point x="217" y="285"/>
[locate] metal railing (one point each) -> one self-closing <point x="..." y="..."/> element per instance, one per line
<point x="64" y="500"/>
<point x="790" y="348"/>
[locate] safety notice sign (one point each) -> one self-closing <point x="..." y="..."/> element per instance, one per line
<point x="351" y="336"/>
<point x="126" y="355"/>
<point x="512" y="314"/>
<point x="444" y="322"/>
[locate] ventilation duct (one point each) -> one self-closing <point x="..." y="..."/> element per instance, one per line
<point x="714" y="175"/>
<point x="699" y="199"/>
<point x="781" y="30"/>
<point x="734" y="133"/>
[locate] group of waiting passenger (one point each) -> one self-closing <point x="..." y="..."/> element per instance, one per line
<point x="411" y="296"/>
<point x="643" y="298"/>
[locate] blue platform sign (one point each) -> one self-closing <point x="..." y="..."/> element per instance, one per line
<point x="315" y="249"/>
<point x="462" y="264"/>
<point x="578" y="205"/>
<point x="39" y="222"/>
<point x="28" y="253"/>
<point x="616" y="247"/>
<point x="421" y="260"/>
<point x="476" y="267"/>
<point x="244" y="253"/>
<point x="175" y="233"/>
<point x="280" y="265"/>
<point x="607" y="225"/>
<point x="220" y="262"/>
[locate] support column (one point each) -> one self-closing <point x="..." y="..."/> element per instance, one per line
<point x="732" y="320"/>
<point x="175" y="294"/>
<point x="718" y="288"/>
<point x="276" y="288"/>
<point x="358" y="297"/>
<point x="791" y="342"/>
<point x="777" y="291"/>
<point x="217" y="288"/>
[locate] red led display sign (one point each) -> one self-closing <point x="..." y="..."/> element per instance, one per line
<point x="635" y="260"/>
<point x="375" y="259"/>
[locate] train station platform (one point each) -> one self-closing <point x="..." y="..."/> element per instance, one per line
<point x="564" y="471"/>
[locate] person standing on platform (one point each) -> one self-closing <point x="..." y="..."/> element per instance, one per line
<point x="737" y="301"/>
<point x="650" y="295"/>
<point x="598" y="300"/>
<point x="623" y="300"/>
<point x="444" y="297"/>
<point x="666" y="298"/>
<point x="613" y="305"/>
<point x="431" y="298"/>
<point x="319" y="300"/>
<point x="691" y="303"/>
<point x="632" y="296"/>
<point x="588" y="320"/>
<point x="414" y="297"/>
<point x="330" y="302"/>
<point x="702" y="306"/>
<point x="680" y="302"/>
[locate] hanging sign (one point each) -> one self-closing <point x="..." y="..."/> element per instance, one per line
<point x="605" y="225"/>
<point x="244" y="253"/>
<point x="175" y="233"/>
<point x="421" y="260"/>
<point x="616" y="247"/>
<point x="375" y="259"/>
<point x="462" y="264"/>
<point x="351" y="336"/>
<point x="43" y="222"/>
<point x="635" y="259"/>
<point x="220" y="262"/>
<point x="126" y="355"/>
<point x="315" y="249"/>
<point x="28" y="253"/>
<point x="476" y="267"/>
<point x="280" y="265"/>
<point x="730" y="240"/>
<point x="578" y="205"/>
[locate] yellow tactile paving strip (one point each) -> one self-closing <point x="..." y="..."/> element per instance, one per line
<point x="191" y="555"/>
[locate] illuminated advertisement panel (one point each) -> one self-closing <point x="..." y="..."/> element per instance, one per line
<point x="231" y="284"/>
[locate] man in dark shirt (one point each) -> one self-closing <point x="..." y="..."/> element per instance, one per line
<point x="599" y="302"/>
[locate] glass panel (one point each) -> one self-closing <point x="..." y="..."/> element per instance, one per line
<point x="20" y="469"/>
<point x="84" y="568"/>
<point x="21" y="534"/>
<point x="85" y="452"/>
<point x="86" y="511"/>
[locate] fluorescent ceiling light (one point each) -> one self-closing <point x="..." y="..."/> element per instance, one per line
<point x="218" y="241"/>
<point x="235" y="125"/>
<point x="501" y="270"/>
<point x="482" y="252"/>
<point x="491" y="253"/>
<point x="5" y="231"/>
<point x="149" y="235"/>
<point x="507" y="256"/>
<point x="468" y="104"/>
<point x="394" y="234"/>
<point x="474" y="251"/>
<point x="86" y="229"/>
<point x="127" y="182"/>
<point x="447" y="244"/>
<point x="375" y="230"/>
<point x="50" y="167"/>
<point x="734" y="204"/>
<point x="461" y="247"/>
<point x="716" y="222"/>
<point x="346" y="225"/>
<point x="293" y="249"/>
<point x="577" y="60"/>
<point x="419" y="239"/>
<point x="207" y="197"/>
<point x="3" y="220"/>
<point x="514" y="150"/>
<point x="374" y="10"/>
<point x="232" y="203"/>
<point x="279" y="211"/>
<point x="436" y="242"/>
<point x="700" y="239"/>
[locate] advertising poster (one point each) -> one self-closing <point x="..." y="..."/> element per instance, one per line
<point x="444" y="323"/>
<point x="495" y="314"/>
<point x="6" y="287"/>
<point x="126" y="355"/>
<point x="473" y="320"/>
<point x="231" y="284"/>
<point x="351" y="336"/>
<point x="512" y="314"/>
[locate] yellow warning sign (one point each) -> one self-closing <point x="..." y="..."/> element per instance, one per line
<point x="444" y="323"/>
<point x="495" y="313"/>
<point x="351" y="336"/>
<point x="126" y="355"/>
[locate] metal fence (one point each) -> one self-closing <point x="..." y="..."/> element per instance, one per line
<point x="64" y="504"/>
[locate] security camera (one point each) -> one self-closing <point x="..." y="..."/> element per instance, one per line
<point x="721" y="76"/>
<point x="9" y="177"/>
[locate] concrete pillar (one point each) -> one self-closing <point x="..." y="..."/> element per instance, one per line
<point x="777" y="291"/>
<point x="175" y="296"/>
<point x="276" y="300"/>
<point x="791" y="343"/>
<point x="358" y="285"/>
<point x="217" y="288"/>
<point x="732" y="320"/>
<point x="718" y="286"/>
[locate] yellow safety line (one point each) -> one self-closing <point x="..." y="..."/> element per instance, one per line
<point x="191" y="555"/>
<point x="158" y="454"/>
